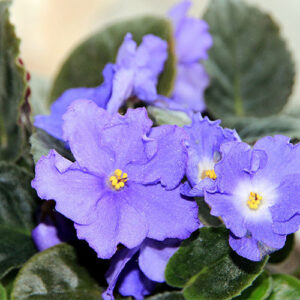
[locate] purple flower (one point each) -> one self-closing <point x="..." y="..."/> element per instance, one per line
<point x="192" y="44"/>
<point x="137" y="70"/>
<point x="206" y="138"/>
<point x="135" y="73"/>
<point x="53" y="230"/>
<point x="258" y="194"/>
<point x="52" y="123"/>
<point x="124" y="185"/>
<point x="137" y="271"/>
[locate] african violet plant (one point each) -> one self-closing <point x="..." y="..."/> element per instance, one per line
<point x="130" y="186"/>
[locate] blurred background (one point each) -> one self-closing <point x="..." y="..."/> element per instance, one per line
<point x="50" y="29"/>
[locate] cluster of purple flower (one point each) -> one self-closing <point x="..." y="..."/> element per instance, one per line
<point x="124" y="191"/>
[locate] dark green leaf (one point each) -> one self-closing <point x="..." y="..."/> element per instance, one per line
<point x="167" y="296"/>
<point x="12" y="89"/>
<point x="285" y="287"/>
<point x="251" y="69"/>
<point x="55" y="274"/>
<point x="86" y="62"/>
<point x="260" y="289"/>
<point x="166" y="116"/>
<point x="251" y="129"/>
<point x="207" y="268"/>
<point x="17" y="209"/>
<point x="280" y="255"/>
<point x="8" y="281"/>
<point x="41" y="142"/>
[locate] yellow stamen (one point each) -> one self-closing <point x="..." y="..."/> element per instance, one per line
<point x="118" y="180"/>
<point x="254" y="200"/>
<point x="209" y="174"/>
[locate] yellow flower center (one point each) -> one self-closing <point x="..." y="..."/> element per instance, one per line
<point x="209" y="174"/>
<point x="118" y="180"/>
<point x="254" y="200"/>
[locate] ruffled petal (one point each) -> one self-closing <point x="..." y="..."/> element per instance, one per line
<point x="246" y="247"/>
<point x="117" y="222"/>
<point x="168" y="164"/>
<point x="168" y="214"/>
<point x="83" y="126"/>
<point x="76" y="193"/>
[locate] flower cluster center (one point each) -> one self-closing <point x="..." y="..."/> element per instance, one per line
<point x="118" y="180"/>
<point x="254" y="200"/>
<point x="209" y="174"/>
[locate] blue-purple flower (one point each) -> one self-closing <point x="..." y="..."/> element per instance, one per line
<point x="192" y="42"/>
<point x="135" y="73"/>
<point x="137" y="271"/>
<point x="206" y="138"/>
<point x="125" y="183"/>
<point x="258" y="194"/>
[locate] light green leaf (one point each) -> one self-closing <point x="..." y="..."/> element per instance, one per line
<point x="166" y="116"/>
<point x="12" y="89"/>
<point x="251" y="69"/>
<point x="86" y="62"/>
<point x="285" y="287"/>
<point x="260" y="289"/>
<point x="55" y="274"/>
<point x="2" y="292"/>
<point x="206" y="268"/>
<point x="17" y="209"/>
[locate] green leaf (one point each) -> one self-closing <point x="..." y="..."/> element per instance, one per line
<point x="40" y="87"/>
<point x="167" y="296"/>
<point x="8" y="281"/>
<point x="251" y="129"/>
<point x="12" y="89"/>
<point x="86" y="62"/>
<point x="285" y="287"/>
<point x="280" y="255"/>
<point x="17" y="209"/>
<point x="41" y="142"/>
<point x="206" y="268"/>
<point x="2" y="292"/>
<point x="166" y="116"/>
<point x="55" y="274"/>
<point x="259" y="290"/>
<point x="251" y="69"/>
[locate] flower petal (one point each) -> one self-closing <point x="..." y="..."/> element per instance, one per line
<point x="168" y="163"/>
<point x="52" y="124"/>
<point x="76" y="193"/>
<point x="168" y="214"/>
<point x="83" y="126"/>
<point x="117" y="223"/>
<point x="246" y="247"/>
<point x="154" y="256"/>
<point x="190" y="84"/>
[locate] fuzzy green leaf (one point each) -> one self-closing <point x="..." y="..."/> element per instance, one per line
<point x="12" y="89"/>
<point x="17" y="210"/>
<point x="86" y="62"/>
<point x="41" y="142"/>
<point x="55" y="274"/>
<point x="285" y="287"/>
<point x="259" y="290"/>
<point x="251" y="129"/>
<point x="251" y="69"/>
<point x="206" y="268"/>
